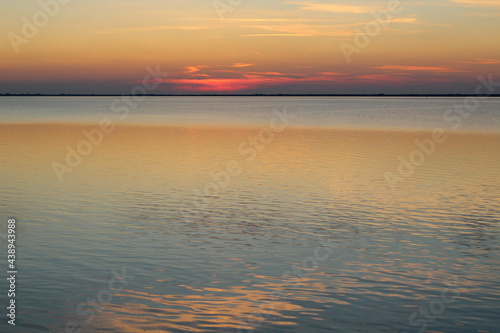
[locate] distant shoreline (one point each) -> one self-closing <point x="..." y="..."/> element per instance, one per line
<point x="251" y="95"/>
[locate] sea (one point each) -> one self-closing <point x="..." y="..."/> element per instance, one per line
<point x="250" y="214"/>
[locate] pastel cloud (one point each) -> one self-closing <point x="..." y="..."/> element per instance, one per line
<point x="241" y="83"/>
<point x="482" y="61"/>
<point x="333" y="8"/>
<point x="235" y="77"/>
<point x="478" y="3"/>
<point x="149" y="29"/>
<point x="193" y="69"/>
<point x="254" y="80"/>
<point x="304" y="30"/>
<point x="417" y="68"/>
<point x="238" y="65"/>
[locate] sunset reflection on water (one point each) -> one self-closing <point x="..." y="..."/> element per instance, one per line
<point x="222" y="268"/>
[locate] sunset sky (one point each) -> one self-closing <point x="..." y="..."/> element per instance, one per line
<point x="246" y="47"/>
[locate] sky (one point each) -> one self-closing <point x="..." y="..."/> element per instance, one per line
<point x="248" y="47"/>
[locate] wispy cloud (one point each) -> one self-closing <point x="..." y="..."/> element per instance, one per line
<point x="332" y="74"/>
<point x="417" y="68"/>
<point x="241" y="83"/>
<point x="333" y="8"/>
<point x="235" y="77"/>
<point x="155" y="28"/>
<point x="194" y="69"/>
<point x="331" y="30"/>
<point x="404" y="20"/>
<point x="481" y="61"/>
<point x="238" y="65"/>
<point x="260" y="73"/>
<point x="484" y="14"/>
<point x="304" y="30"/>
<point x="269" y="20"/>
<point x="248" y="81"/>
<point x="256" y="80"/>
<point x="478" y="3"/>
<point x="276" y="35"/>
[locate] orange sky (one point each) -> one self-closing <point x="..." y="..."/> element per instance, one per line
<point x="211" y="46"/>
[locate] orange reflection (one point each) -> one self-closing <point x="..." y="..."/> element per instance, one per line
<point x="197" y="313"/>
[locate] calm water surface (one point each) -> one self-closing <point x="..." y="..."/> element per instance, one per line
<point x="329" y="112"/>
<point x="305" y="235"/>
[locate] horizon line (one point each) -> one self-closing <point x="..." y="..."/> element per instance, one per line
<point x="249" y="95"/>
